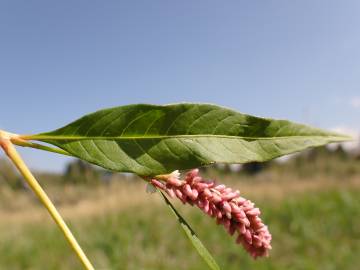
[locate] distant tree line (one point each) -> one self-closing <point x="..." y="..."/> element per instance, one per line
<point x="321" y="160"/>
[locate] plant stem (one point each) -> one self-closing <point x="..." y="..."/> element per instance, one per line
<point x="24" y="143"/>
<point x="11" y="152"/>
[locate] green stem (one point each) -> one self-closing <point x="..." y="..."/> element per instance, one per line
<point x="11" y="152"/>
<point x="24" y="143"/>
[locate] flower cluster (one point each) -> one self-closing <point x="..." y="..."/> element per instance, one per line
<point x="236" y="214"/>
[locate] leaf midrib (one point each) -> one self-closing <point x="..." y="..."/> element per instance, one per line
<point x="189" y="136"/>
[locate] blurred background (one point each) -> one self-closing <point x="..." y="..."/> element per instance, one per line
<point x="297" y="60"/>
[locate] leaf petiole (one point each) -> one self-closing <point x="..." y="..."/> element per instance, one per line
<point x="24" y="143"/>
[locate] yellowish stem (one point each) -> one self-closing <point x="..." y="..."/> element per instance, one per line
<point x="11" y="152"/>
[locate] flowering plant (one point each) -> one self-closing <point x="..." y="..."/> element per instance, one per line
<point x="234" y="212"/>
<point x="152" y="141"/>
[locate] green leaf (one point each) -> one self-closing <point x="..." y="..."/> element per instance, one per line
<point x="198" y="245"/>
<point x="150" y="139"/>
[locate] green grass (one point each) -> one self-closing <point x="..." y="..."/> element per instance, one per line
<point x="319" y="230"/>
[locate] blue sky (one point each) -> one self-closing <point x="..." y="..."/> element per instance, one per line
<point x="298" y="60"/>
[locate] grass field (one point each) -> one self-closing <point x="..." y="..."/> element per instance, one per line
<point x="315" y="225"/>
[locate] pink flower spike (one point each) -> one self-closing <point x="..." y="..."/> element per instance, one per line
<point x="237" y="214"/>
<point x="170" y="192"/>
<point x="206" y="206"/>
<point x="234" y="208"/>
<point x="195" y="194"/>
<point x="242" y="228"/>
<point x="187" y="190"/>
<point x="215" y="198"/>
<point x="197" y="179"/>
<point x="226" y="206"/>
<point x="220" y="187"/>
<point x="207" y="193"/>
<point x="201" y="186"/>
<point x="158" y="184"/>
<point x="240" y="200"/>
<point x="253" y="212"/>
<point x="175" y="182"/>
<point x="226" y="191"/>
